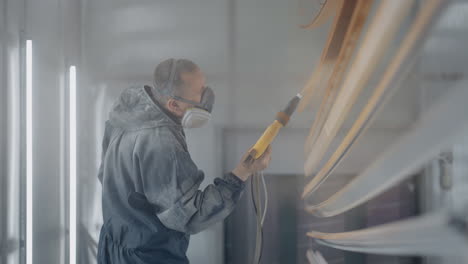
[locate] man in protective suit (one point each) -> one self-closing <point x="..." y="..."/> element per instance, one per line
<point x="151" y="199"/>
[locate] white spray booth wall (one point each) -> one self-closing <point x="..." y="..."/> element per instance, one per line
<point x="54" y="28"/>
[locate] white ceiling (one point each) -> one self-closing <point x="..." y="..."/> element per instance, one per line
<point x="128" y="38"/>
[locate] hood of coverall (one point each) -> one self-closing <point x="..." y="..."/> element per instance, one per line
<point x="135" y="109"/>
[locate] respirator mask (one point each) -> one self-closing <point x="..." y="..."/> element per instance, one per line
<point x="200" y="112"/>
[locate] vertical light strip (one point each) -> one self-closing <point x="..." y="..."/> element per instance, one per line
<point x="72" y="155"/>
<point x="29" y="149"/>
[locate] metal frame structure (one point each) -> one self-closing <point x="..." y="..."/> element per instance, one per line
<point x="424" y="235"/>
<point x="437" y="130"/>
<point x="357" y="20"/>
<point x="382" y="29"/>
<point x="397" y="70"/>
<point x="423" y="142"/>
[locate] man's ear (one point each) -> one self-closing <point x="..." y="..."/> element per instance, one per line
<point x="174" y="107"/>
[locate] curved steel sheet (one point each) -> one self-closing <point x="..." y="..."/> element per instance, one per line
<point x="435" y="234"/>
<point x="438" y="128"/>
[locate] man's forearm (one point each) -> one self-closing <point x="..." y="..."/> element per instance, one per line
<point x="202" y="209"/>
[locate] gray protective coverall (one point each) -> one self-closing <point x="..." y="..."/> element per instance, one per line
<point x="151" y="201"/>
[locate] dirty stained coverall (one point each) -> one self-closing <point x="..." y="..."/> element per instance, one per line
<point x="151" y="201"/>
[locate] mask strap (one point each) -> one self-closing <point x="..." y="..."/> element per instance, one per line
<point x="178" y="98"/>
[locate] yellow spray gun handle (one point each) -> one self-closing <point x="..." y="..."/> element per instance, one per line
<point x="265" y="140"/>
<point x="282" y="118"/>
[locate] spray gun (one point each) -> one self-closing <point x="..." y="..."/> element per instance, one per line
<point x="282" y="119"/>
